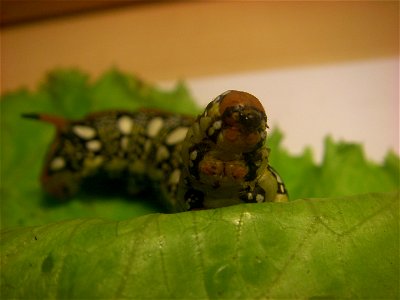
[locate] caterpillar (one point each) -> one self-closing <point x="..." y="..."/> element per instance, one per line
<point x="217" y="159"/>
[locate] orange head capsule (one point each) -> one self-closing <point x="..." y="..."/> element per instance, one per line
<point x="244" y="121"/>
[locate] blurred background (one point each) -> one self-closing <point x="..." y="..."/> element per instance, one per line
<point x="319" y="67"/>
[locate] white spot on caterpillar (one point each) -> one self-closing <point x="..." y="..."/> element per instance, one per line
<point x="175" y="175"/>
<point x="162" y="153"/>
<point x="217" y="124"/>
<point x="259" y="198"/>
<point x="249" y="196"/>
<point x="193" y="155"/>
<point x="176" y="136"/>
<point x="125" y="125"/>
<point x="154" y="126"/>
<point x="84" y="132"/>
<point x="278" y="178"/>
<point x="93" y="145"/>
<point x="57" y="163"/>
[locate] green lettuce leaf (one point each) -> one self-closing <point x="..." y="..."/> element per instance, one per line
<point x="330" y="246"/>
<point x="343" y="171"/>
<point x="313" y="248"/>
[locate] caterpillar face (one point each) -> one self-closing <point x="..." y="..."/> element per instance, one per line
<point x="216" y="160"/>
<point x="243" y="122"/>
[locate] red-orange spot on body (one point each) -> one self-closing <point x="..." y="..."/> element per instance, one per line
<point x="211" y="167"/>
<point x="236" y="170"/>
<point x="235" y="139"/>
<point x="232" y="134"/>
<point x="253" y="138"/>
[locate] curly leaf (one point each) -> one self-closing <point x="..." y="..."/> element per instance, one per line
<point x="343" y="171"/>
<point x="315" y="248"/>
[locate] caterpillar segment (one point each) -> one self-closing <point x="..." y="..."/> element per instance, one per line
<point x="225" y="158"/>
<point x="141" y="150"/>
<point x="218" y="159"/>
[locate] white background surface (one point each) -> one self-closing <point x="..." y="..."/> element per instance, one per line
<point x="355" y="102"/>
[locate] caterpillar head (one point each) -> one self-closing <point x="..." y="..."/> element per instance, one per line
<point x="243" y="122"/>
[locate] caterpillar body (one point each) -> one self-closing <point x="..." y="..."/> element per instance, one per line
<point x="217" y="159"/>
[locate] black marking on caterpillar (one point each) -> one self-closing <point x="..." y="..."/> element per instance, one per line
<point x="194" y="199"/>
<point x="253" y="194"/>
<point x="281" y="189"/>
<point x="216" y="160"/>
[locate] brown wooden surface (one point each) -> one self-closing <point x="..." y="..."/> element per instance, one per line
<point x="177" y="40"/>
<point x="16" y="12"/>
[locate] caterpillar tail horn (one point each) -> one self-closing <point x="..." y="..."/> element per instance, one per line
<point x="57" y="121"/>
